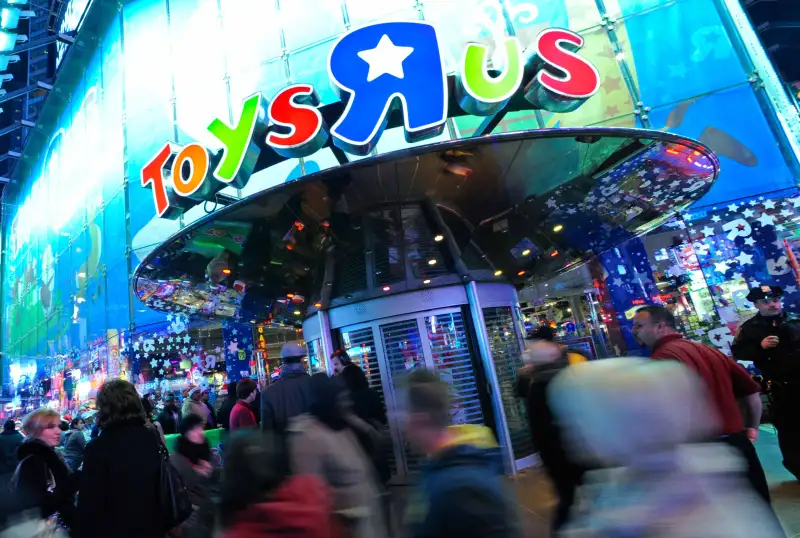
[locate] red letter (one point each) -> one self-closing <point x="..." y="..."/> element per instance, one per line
<point x="565" y="73"/>
<point x="295" y="108"/>
<point x="153" y="172"/>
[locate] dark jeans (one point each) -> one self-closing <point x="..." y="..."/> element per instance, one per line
<point x="755" y="472"/>
<point x="786" y="420"/>
<point x="566" y="479"/>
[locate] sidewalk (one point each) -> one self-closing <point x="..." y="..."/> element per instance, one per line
<point x="536" y="496"/>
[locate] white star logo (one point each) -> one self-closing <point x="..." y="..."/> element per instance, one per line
<point x="766" y="220"/>
<point x="745" y="259"/>
<point x="385" y="59"/>
<point x="721" y="267"/>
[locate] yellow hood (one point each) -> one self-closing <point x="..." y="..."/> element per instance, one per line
<point x="469" y="434"/>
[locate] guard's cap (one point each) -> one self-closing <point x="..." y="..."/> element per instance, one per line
<point x="764" y="292"/>
<point x="293" y="349"/>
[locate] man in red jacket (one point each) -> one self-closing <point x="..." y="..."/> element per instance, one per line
<point x="242" y="415"/>
<point x="727" y="383"/>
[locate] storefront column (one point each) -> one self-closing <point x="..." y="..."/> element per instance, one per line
<point x="491" y="375"/>
<point x="325" y="340"/>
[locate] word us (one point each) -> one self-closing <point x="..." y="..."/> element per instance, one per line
<point x="374" y="70"/>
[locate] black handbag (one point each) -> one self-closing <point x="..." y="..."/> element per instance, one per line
<point x="176" y="506"/>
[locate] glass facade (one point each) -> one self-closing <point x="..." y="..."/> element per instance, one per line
<point x="78" y="222"/>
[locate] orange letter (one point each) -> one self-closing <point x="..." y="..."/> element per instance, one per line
<point x="196" y="157"/>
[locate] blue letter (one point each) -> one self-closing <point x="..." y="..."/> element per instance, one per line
<point x="378" y="63"/>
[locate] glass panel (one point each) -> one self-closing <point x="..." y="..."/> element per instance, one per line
<point x="403" y="348"/>
<point x="315" y="356"/>
<point x="506" y="357"/>
<point x="301" y="30"/>
<point x="360" y="347"/>
<point x="453" y="362"/>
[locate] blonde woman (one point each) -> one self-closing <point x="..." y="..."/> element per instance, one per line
<point x="42" y="479"/>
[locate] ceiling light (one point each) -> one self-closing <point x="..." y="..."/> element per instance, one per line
<point x="426" y="281"/>
<point x="554" y="254"/>
<point x="296" y="312"/>
<point x="558" y="227"/>
<point x="526" y="252"/>
<point x="317" y="305"/>
<point x="431" y="262"/>
<point x="498" y="273"/>
<point x="226" y="271"/>
<point x="387" y="288"/>
<point x="438" y="238"/>
<point x="521" y="273"/>
<point x="290" y="295"/>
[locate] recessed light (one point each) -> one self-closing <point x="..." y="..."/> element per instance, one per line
<point x="297" y="312"/>
<point x="387" y="288"/>
<point x="431" y="262"/>
<point x="498" y="273"/>
<point x="226" y="271"/>
<point x="558" y="227"/>
<point x="290" y="295"/>
<point x="317" y="305"/>
<point x="526" y="252"/>
<point x="521" y="273"/>
<point x="554" y="254"/>
<point x="438" y="238"/>
<point x="426" y="281"/>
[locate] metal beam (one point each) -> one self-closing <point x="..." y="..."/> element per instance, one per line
<point x="43" y="42"/>
<point x="10" y="129"/>
<point x="26" y="90"/>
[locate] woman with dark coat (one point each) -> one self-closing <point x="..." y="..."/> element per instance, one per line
<point x="42" y="478"/>
<point x="119" y="494"/>
<point x="192" y="459"/>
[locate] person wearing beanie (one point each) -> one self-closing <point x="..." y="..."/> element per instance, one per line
<point x="290" y="395"/>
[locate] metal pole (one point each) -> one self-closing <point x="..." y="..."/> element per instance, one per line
<point x="326" y="346"/>
<point x="488" y="363"/>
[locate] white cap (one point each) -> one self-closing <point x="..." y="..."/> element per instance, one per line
<point x="293" y="349"/>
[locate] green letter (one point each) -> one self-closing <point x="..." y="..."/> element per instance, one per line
<point x="240" y="152"/>
<point x="477" y="93"/>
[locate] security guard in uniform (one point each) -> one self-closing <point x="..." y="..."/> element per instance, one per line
<point x="771" y="340"/>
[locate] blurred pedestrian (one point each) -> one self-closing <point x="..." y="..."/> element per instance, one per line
<point x="10" y="440"/>
<point x="227" y="406"/>
<point x="120" y="483"/>
<point x="42" y="478"/>
<point x="242" y="414"/>
<point x="462" y="492"/>
<point x="193" y="405"/>
<point x="367" y="405"/>
<point x="212" y="415"/>
<point x="192" y="459"/>
<point x="290" y="395"/>
<point x="323" y="443"/>
<point x="170" y="416"/>
<point x="543" y="361"/>
<point x="150" y="422"/>
<point x="726" y="382"/>
<point x="260" y="496"/>
<point x="647" y="422"/>
<point x="75" y="445"/>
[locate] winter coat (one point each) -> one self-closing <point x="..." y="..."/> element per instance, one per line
<point x="367" y="406"/>
<point x="693" y="491"/>
<point x="242" y="417"/>
<point x="225" y="411"/>
<point x="338" y="459"/>
<point x="285" y="399"/>
<point x="170" y="423"/>
<point x="120" y="484"/>
<point x="190" y="407"/>
<point x="462" y="491"/>
<point x="74" y="447"/>
<point x="201" y="523"/>
<point x="9" y="444"/>
<point x="781" y="363"/>
<point x="44" y="480"/>
<point x="300" y="508"/>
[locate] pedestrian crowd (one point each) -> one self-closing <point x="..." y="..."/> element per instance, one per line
<point x="658" y="447"/>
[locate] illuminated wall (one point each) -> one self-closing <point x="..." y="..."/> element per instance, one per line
<point x="162" y="69"/>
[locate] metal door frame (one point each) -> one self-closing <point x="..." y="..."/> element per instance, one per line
<point x="389" y="395"/>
